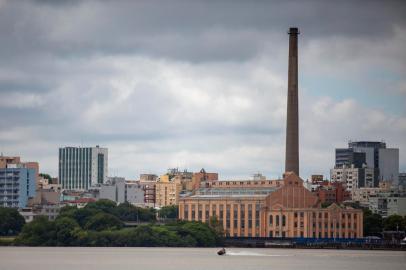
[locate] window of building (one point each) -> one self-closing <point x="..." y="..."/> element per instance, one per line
<point x="270" y="219"/>
<point x="193" y="212"/>
<point x="277" y="220"/>
<point x="283" y="220"/>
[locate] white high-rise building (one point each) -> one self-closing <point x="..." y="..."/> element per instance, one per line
<point x="82" y="167"/>
<point x="353" y="177"/>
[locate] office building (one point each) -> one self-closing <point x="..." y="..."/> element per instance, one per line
<point x="384" y="161"/>
<point x="348" y="157"/>
<point x="389" y="165"/>
<point x="82" y="167"/>
<point x="119" y="190"/>
<point x="402" y="181"/>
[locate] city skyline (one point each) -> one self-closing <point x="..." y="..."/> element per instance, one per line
<point x="209" y="94"/>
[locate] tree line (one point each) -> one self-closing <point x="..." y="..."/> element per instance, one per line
<point x="102" y="224"/>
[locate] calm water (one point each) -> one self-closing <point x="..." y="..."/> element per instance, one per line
<point x="17" y="258"/>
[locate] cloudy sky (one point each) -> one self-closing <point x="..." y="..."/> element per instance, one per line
<point x="194" y="84"/>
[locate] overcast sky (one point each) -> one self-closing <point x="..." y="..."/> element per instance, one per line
<point x="194" y="84"/>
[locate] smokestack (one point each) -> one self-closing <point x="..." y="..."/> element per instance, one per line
<point x="292" y="121"/>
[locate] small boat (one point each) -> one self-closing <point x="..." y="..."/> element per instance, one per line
<point x="221" y="251"/>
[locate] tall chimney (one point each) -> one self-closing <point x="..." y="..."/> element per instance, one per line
<point x="292" y="121"/>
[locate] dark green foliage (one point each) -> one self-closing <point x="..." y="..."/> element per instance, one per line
<point x="11" y="222"/>
<point x="81" y="215"/>
<point x="101" y="224"/>
<point x="103" y="221"/>
<point x="170" y="212"/>
<point x="372" y="225"/>
<point x="394" y="223"/>
<point x="217" y="227"/>
<point x="39" y="232"/>
<point x="66" y="230"/>
<point x="104" y="205"/>
<point x="128" y="212"/>
<point x="46" y="176"/>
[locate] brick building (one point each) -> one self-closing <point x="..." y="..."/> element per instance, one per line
<point x="287" y="210"/>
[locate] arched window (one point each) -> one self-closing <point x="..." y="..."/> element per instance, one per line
<point x="270" y="219"/>
<point x="283" y="220"/>
<point x="277" y="220"/>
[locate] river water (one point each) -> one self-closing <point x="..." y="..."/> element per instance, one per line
<point x="74" y="258"/>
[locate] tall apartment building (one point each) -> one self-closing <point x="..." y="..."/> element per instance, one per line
<point x="17" y="185"/>
<point x="167" y="192"/>
<point x="7" y="160"/>
<point x="384" y="161"/>
<point x="353" y="177"/>
<point x="82" y="167"/>
<point x="148" y="182"/>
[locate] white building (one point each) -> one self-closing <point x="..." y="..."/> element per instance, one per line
<point x="119" y="190"/>
<point x="51" y="211"/>
<point x="82" y="167"/>
<point x="388" y="203"/>
<point x="352" y="177"/>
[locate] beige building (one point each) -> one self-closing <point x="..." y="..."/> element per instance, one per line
<point x="167" y="192"/>
<point x="279" y="210"/>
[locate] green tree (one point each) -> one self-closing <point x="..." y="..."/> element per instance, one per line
<point x="129" y="212"/>
<point x="11" y="222"/>
<point x="168" y="212"/>
<point x="372" y="225"/>
<point x="46" y="176"/>
<point x="103" y="221"/>
<point x="66" y="231"/>
<point x="201" y="232"/>
<point x="81" y="215"/>
<point x="104" y="205"/>
<point x="393" y="223"/>
<point x="39" y="232"/>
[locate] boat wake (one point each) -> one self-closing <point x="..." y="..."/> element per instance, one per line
<point x="249" y="253"/>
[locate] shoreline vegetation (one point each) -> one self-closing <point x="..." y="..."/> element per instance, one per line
<point x="102" y="224"/>
<point x="106" y="224"/>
